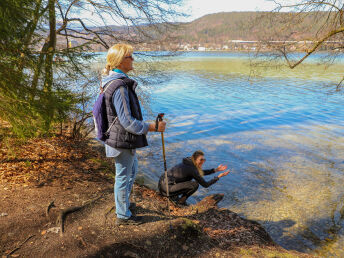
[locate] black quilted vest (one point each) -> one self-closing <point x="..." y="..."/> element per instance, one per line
<point x="119" y="137"/>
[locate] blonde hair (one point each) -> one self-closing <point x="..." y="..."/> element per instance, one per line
<point x="115" y="56"/>
<point x="194" y="156"/>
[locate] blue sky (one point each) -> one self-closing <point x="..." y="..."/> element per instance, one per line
<point x="194" y="8"/>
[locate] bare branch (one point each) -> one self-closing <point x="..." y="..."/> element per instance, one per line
<point x="314" y="48"/>
<point x="308" y="4"/>
<point x="340" y="84"/>
<point x="80" y="37"/>
<point x="101" y="41"/>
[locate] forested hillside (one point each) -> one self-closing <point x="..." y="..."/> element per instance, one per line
<point x="220" y="27"/>
<point x="214" y="31"/>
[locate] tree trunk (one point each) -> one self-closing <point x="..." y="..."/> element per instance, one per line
<point x="49" y="73"/>
<point x="30" y="29"/>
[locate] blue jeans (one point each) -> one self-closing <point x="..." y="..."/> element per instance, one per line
<point x="126" y="169"/>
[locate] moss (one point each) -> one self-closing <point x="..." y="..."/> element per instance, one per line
<point x="190" y="228"/>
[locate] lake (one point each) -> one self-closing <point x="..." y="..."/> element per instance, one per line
<point x="281" y="134"/>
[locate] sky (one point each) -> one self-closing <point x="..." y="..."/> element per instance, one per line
<point x="199" y="8"/>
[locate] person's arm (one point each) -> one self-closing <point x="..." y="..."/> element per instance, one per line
<point x="131" y="124"/>
<point x="201" y="180"/>
<point x="209" y="171"/>
<point x="121" y="103"/>
<point x="213" y="170"/>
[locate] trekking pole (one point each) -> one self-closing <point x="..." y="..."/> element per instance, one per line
<point x="158" y="119"/>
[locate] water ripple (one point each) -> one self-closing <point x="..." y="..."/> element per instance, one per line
<point x="282" y="137"/>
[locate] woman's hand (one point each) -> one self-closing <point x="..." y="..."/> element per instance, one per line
<point x="161" y="127"/>
<point x="223" y="174"/>
<point x="220" y="168"/>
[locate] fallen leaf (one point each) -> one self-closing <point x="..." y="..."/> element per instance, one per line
<point x="43" y="232"/>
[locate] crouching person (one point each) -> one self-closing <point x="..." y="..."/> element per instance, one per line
<point x="180" y="178"/>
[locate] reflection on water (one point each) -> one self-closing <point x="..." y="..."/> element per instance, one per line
<point x="282" y="137"/>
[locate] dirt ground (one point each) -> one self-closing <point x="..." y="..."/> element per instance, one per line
<point x="43" y="178"/>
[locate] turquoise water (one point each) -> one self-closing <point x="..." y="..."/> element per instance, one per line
<point x="282" y="135"/>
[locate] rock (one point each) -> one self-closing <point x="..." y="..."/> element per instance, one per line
<point x="54" y="230"/>
<point x="208" y="202"/>
<point x="211" y="200"/>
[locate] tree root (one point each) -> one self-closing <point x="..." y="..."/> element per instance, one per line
<point x="17" y="248"/>
<point x="63" y="213"/>
<point x="108" y="211"/>
<point x="135" y="246"/>
<point x="51" y="205"/>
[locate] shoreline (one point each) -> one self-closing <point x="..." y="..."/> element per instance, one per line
<point x="225" y="51"/>
<point x="81" y="177"/>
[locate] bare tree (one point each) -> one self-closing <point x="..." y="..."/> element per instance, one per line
<point x="307" y="26"/>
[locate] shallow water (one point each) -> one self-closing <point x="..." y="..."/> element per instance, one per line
<point x="282" y="135"/>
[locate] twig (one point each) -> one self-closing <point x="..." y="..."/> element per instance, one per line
<point x="17" y="248"/>
<point x="82" y="241"/>
<point x="63" y="213"/>
<point x="339" y="84"/>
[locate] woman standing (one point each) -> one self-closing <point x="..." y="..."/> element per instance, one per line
<point x="180" y="178"/>
<point x="127" y="130"/>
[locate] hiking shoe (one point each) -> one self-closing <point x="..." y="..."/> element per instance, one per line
<point x="132" y="206"/>
<point x="133" y="220"/>
<point x="183" y="204"/>
<point x="174" y="200"/>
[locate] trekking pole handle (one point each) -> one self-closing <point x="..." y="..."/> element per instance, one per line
<point x="158" y="119"/>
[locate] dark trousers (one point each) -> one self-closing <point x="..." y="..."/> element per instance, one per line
<point x="186" y="189"/>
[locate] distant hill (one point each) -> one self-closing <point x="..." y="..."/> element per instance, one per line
<point x="215" y="31"/>
<point x="221" y="27"/>
<point x="218" y="27"/>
